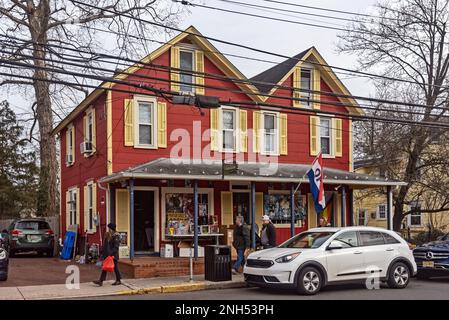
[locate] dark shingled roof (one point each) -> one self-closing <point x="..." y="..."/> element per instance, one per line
<point x="276" y="73"/>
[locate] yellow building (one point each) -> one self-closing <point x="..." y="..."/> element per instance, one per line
<point x="370" y="207"/>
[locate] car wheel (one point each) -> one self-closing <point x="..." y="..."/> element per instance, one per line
<point x="399" y="276"/>
<point x="309" y="281"/>
<point x="49" y="253"/>
<point x="422" y="275"/>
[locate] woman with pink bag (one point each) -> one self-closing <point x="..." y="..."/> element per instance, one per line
<point x="110" y="251"/>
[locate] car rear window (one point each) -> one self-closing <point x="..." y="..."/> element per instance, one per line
<point x="389" y="239"/>
<point x="32" y="225"/>
<point x="371" y="238"/>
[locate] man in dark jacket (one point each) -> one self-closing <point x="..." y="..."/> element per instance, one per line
<point x="241" y="242"/>
<point x="111" y="248"/>
<point x="268" y="234"/>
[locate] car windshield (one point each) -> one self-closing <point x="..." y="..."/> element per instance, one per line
<point x="32" y="225"/>
<point x="446" y="237"/>
<point x="307" y="240"/>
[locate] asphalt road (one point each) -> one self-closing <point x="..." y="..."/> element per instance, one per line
<point x="434" y="289"/>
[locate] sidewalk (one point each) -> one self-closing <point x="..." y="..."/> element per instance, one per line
<point x="129" y="286"/>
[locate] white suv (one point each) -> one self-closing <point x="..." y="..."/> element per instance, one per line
<point x="321" y="256"/>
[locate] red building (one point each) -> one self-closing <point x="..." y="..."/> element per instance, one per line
<point x="135" y="157"/>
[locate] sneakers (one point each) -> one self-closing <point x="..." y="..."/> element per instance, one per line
<point x="117" y="283"/>
<point x="234" y="271"/>
<point x="98" y="283"/>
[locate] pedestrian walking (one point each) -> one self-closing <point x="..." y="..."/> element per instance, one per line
<point x="268" y="234"/>
<point x="241" y="242"/>
<point x="111" y="246"/>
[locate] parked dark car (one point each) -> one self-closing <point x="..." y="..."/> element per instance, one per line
<point x="28" y="235"/>
<point x="432" y="258"/>
<point x="4" y="257"/>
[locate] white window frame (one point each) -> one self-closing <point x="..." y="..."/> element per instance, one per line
<point x="153" y="102"/>
<point x="331" y="137"/>
<point x="89" y="134"/>
<point x="378" y="217"/>
<point x="236" y="129"/>
<point x="365" y="216"/>
<point x="409" y="217"/>
<point x="90" y="208"/>
<point x="71" y="147"/>
<point x="191" y="51"/>
<point x="72" y="201"/>
<point x="276" y="140"/>
<point x="306" y="95"/>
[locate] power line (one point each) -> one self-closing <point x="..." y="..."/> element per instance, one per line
<point x="252" y="48"/>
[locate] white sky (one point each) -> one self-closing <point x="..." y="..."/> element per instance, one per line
<point x="280" y="37"/>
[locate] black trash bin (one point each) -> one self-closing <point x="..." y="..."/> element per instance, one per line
<point x="217" y="263"/>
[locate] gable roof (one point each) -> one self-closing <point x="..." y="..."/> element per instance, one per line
<point x="275" y="74"/>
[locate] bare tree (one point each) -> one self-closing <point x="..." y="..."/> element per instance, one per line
<point x="36" y="32"/>
<point x="407" y="40"/>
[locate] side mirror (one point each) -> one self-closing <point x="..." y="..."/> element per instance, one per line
<point x="334" y="245"/>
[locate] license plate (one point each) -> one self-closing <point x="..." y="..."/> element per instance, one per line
<point x="34" y="238"/>
<point x="428" y="264"/>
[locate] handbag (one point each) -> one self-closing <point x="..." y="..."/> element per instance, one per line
<point x="108" y="264"/>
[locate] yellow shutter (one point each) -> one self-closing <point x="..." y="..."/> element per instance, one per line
<point x="338" y="141"/>
<point x="94" y="132"/>
<point x="174" y="63"/>
<point x="316" y="78"/>
<point x="162" y="124"/>
<point x="259" y="206"/>
<point x="67" y="209"/>
<point x="243" y="131"/>
<point x="122" y="210"/>
<point x="129" y="123"/>
<point x="78" y="209"/>
<point x="257" y="115"/>
<point x="311" y="213"/>
<point x="314" y="135"/>
<point x="214" y="113"/>
<point x="283" y="139"/>
<point x="227" y="213"/>
<point x="297" y="85"/>
<point x="199" y="62"/>
<point x="73" y="143"/>
<point x="86" y="210"/>
<point x="351" y="147"/>
<point x="94" y="204"/>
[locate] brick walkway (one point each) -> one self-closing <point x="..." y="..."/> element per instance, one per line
<point x="31" y="270"/>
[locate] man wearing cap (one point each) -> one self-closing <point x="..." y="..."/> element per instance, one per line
<point x="111" y="248"/>
<point x="268" y="234"/>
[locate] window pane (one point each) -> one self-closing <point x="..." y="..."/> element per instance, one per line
<point x="186" y="63"/>
<point x="145" y="134"/>
<point x="415" y="220"/>
<point x="348" y="239"/>
<point x="269" y="142"/>
<point x="325" y="145"/>
<point x="389" y="239"/>
<point x="228" y="119"/>
<point x="370" y="238"/>
<point x="382" y="212"/>
<point x="269" y="122"/>
<point x="145" y="115"/>
<point x="305" y="80"/>
<point x="325" y="127"/>
<point x="228" y="140"/>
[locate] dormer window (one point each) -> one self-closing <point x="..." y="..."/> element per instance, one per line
<point x="306" y="86"/>
<point x="186" y="64"/>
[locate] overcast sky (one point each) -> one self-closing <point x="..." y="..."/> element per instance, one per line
<point x="280" y="37"/>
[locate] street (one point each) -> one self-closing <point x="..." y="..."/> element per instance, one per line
<point x="435" y="289"/>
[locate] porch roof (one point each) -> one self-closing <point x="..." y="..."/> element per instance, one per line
<point x="171" y="168"/>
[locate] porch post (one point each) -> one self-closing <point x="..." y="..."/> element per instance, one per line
<point x="292" y="210"/>
<point x="351" y="207"/>
<point x="253" y="215"/>
<point x="390" y="208"/>
<point x="131" y="219"/>
<point x="111" y="204"/>
<point x="343" y="206"/>
<point x="195" y="219"/>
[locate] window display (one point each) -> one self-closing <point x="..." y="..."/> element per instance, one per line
<point x="277" y="207"/>
<point x="179" y="210"/>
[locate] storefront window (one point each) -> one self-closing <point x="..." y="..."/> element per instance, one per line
<point x="277" y="207"/>
<point x="179" y="211"/>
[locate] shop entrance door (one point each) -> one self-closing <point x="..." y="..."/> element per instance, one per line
<point x="241" y="205"/>
<point x="144" y="229"/>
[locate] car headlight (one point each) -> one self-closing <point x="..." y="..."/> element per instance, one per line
<point x="287" y="258"/>
<point x="2" y="254"/>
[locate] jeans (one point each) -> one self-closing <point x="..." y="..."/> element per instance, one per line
<point x="118" y="277"/>
<point x="240" y="259"/>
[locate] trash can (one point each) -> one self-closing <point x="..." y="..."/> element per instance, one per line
<point x="217" y="263"/>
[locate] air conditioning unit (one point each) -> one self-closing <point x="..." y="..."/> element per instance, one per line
<point x="86" y="147"/>
<point x="68" y="159"/>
